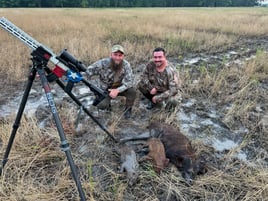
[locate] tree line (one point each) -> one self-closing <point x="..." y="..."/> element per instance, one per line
<point x="125" y="3"/>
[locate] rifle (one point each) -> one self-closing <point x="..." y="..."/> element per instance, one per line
<point x="65" y="63"/>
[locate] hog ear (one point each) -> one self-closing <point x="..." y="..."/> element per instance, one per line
<point x="166" y="162"/>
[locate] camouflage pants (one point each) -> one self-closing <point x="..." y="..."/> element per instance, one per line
<point x="172" y="101"/>
<point x="130" y="95"/>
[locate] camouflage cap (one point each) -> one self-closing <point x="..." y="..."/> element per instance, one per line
<point x="118" y="48"/>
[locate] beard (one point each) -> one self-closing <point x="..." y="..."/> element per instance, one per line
<point x="115" y="65"/>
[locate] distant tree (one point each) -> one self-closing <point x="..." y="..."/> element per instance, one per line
<point x="26" y="3"/>
<point x="209" y="3"/>
<point x="193" y="3"/>
<point x="158" y="3"/>
<point x="137" y="3"/>
<point x="126" y="3"/>
<point x="245" y="2"/>
<point x="12" y="3"/>
<point x="84" y="3"/>
<point x="147" y="3"/>
<point x="216" y="3"/>
<point x="112" y="3"/>
<point x="224" y="3"/>
<point x="3" y="3"/>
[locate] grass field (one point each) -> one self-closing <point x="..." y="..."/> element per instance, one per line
<point x="37" y="170"/>
<point x="89" y="33"/>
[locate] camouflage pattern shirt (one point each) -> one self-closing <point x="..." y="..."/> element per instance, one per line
<point x="121" y="78"/>
<point x="166" y="82"/>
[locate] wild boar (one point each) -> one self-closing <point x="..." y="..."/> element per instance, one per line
<point x="178" y="149"/>
<point x="156" y="154"/>
<point x="129" y="164"/>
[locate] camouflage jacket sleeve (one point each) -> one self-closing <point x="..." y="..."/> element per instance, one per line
<point x="128" y="79"/>
<point x="95" y="68"/>
<point x="173" y="84"/>
<point x="145" y="77"/>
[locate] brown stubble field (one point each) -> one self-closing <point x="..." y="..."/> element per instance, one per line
<point x="37" y="170"/>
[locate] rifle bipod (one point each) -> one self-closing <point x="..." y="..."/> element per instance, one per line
<point x="38" y="67"/>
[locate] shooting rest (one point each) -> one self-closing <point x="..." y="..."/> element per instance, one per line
<point x="65" y="63"/>
<point x="38" y="67"/>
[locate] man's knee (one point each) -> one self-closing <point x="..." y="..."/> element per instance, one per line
<point x="105" y="104"/>
<point x="131" y="93"/>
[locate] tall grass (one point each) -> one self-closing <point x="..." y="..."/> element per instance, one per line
<point x="89" y="33"/>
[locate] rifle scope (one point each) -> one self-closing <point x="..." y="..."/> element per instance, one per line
<point x="71" y="62"/>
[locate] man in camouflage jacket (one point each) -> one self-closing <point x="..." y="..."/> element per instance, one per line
<point x="160" y="81"/>
<point x="116" y="77"/>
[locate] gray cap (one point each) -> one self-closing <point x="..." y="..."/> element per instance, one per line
<point x="118" y="48"/>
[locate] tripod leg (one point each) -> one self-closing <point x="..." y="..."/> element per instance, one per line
<point x="18" y="117"/>
<point x="64" y="144"/>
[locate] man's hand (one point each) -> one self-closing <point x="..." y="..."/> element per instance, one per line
<point x="153" y="91"/>
<point x="154" y="99"/>
<point x="113" y="93"/>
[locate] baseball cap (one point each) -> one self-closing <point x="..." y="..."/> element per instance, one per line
<point x="118" y="48"/>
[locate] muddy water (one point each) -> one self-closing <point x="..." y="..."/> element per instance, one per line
<point x="199" y="119"/>
<point x="208" y="127"/>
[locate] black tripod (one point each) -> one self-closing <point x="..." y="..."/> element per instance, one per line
<point x="39" y="64"/>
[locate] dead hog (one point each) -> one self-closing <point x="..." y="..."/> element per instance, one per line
<point x="156" y="154"/>
<point x="178" y="149"/>
<point x="129" y="164"/>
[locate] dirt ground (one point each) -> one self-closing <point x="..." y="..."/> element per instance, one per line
<point x="92" y="144"/>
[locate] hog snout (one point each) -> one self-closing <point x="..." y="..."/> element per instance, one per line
<point x="188" y="176"/>
<point x="132" y="177"/>
<point x="200" y="167"/>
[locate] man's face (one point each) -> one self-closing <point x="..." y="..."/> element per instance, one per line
<point x="159" y="58"/>
<point x="117" y="57"/>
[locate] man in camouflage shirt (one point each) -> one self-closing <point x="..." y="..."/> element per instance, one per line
<point x="116" y="77"/>
<point x="160" y="82"/>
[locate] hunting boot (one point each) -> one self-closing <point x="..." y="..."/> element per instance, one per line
<point x="105" y="104"/>
<point x="127" y="112"/>
<point x="152" y="105"/>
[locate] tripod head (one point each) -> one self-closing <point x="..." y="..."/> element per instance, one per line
<point x="40" y="57"/>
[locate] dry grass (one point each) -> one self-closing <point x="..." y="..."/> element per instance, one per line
<point x="89" y="33"/>
<point x="239" y="85"/>
<point x="38" y="170"/>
